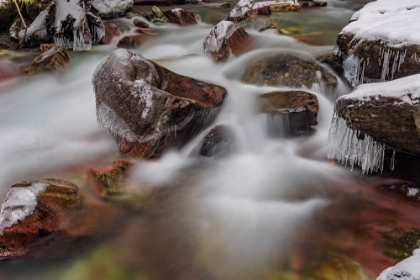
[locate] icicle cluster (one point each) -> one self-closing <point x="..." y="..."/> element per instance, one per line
<point x="345" y="145"/>
<point x="390" y="60"/>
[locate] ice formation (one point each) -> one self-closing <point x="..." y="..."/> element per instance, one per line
<point x="349" y="146"/>
<point x="408" y="269"/>
<point x="20" y="203"/>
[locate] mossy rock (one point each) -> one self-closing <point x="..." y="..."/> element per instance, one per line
<point x="400" y="244"/>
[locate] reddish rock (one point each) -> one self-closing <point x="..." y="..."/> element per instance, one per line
<point x="140" y="23"/>
<point x="110" y="33"/>
<point x="224" y="39"/>
<point x="147" y="108"/>
<point x="55" y="59"/>
<point x="247" y="8"/>
<point x="160" y="2"/>
<point x="8" y="70"/>
<point x="182" y="17"/>
<point x="132" y="41"/>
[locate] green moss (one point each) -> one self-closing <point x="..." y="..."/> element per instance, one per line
<point x="400" y="244"/>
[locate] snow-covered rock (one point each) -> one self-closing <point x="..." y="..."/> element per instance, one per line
<point x="408" y="269"/>
<point x="381" y="42"/>
<point x="112" y="8"/>
<point x="247" y="8"/>
<point x="225" y="39"/>
<point x="375" y="117"/>
<point x="147" y="108"/>
<point x="182" y="17"/>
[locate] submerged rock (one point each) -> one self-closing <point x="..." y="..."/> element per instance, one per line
<point x="310" y="3"/>
<point x="54" y="59"/>
<point x="8" y="13"/>
<point x="375" y="117"/>
<point x="107" y="9"/>
<point x="110" y="33"/>
<point x="147" y="108"/>
<point x="160" y="2"/>
<point x="139" y="23"/>
<point x="290" y="71"/>
<point x="182" y="17"/>
<point x="34" y="210"/>
<point x="225" y="39"/>
<point x="218" y="141"/>
<point x="381" y="42"/>
<point x="408" y="190"/>
<point x="407" y="269"/>
<point x="132" y="41"/>
<point x="337" y="267"/>
<point x="257" y="23"/>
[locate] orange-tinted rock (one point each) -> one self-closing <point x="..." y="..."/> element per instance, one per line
<point x="46" y="47"/>
<point x="147" y="108"/>
<point x="181" y="17"/>
<point x="247" y="8"/>
<point x="55" y="59"/>
<point x="140" y="23"/>
<point x="132" y="41"/>
<point x="110" y="33"/>
<point x="224" y="39"/>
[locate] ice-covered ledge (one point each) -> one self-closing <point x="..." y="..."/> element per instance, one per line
<point x="375" y="117"/>
<point x="381" y="42"/>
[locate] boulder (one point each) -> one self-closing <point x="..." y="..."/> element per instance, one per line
<point x="54" y="59"/>
<point x="139" y="23"/>
<point x="160" y="2"/>
<point x="111" y="183"/>
<point x="288" y="70"/>
<point x="285" y="6"/>
<point x="218" y="141"/>
<point x="375" y="117"/>
<point x="182" y="17"/>
<point x="46" y="47"/>
<point x="257" y="23"/>
<point x="147" y="108"/>
<point x="381" y="42"/>
<point x="110" y="33"/>
<point x="248" y="8"/>
<point x="301" y="106"/>
<point x="33" y="211"/>
<point x="225" y="39"/>
<point x="8" y="13"/>
<point x="407" y="269"/>
<point x="155" y="16"/>
<point x="132" y="41"/>
<point x="107" y="9"/>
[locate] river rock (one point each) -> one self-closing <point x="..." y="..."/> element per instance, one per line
<point x="139" y="23"/>
<point x="132" y="41"/>
<point x="313" y="4"/>
<point x="34" y="210"/>
<point x="160" y="2"/>
<point x="225" y="39"/>
<point x="257" y="23"/>
<point x="248" y="8"/>
<point x="381" y="42"/>
<point x="218" y="141"/>
<point x="182" y="17"/>
<point x="301" y="106"/>
<point x="290" y="71"/>
<point x="375" y="117"/>
<point x="285" y="6"/>
<point x="110" y="33"/>
<point x="8" y="13"/>
<point x="147" y="108"/>
<point x="107" y="9"/>
<point x="54" y="59"/>
<point x="407" y="269"/>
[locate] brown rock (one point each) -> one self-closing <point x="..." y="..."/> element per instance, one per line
<point x="53" y="59"/>
<point x="288" y="70"/>
<point x="46" y="47"/>
<point x="313" y="4"/>
<point x="182" y="17"/>
<point x="226" y="5"/>
<point x="284" y="7"/>
<point x="132" y="41"/>
<point x="247" y="8"/>
<point x="224" y="39"/>
<point x="140" y="23"/>
<point x="147" y="108"/>
<point x="217" y="141"/>
<point x="159" y="2"/>
<point x="110" y="33"/>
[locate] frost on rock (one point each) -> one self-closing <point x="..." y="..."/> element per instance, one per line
<point x="351" y="147"/>
<point x="112" y="8"/>
<point x="20" y="203"/>
<point x="218" y="35"/>
<point x="408" y="269"/>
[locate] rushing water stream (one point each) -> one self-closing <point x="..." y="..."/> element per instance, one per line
<point x="272" y="208"/>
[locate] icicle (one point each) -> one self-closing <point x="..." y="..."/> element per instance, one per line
<point x="344" y="145"/>
<point x="385" y="65"/>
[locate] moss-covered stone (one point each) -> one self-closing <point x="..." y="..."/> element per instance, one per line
<point x="400" y="244"/>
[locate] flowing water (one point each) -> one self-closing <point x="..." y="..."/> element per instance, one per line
<point x="271" y="208"/>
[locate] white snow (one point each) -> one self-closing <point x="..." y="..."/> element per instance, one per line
<point x="245" y="5"/>
<point x="408" y="269"/>
<point x="217" y="36"/>
<point x="20" y="203"/>
<point x="177" y="11"/>
<point x="345" y="146"/>
<point x="112" y="8"/>
<point x="395" y="22"/>
<point x="412" y="192"/>
<point x="406" y="89"/>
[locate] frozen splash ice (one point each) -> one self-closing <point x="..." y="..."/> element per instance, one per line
<point x="20" y="203"/>
<point x="348" y="146"/>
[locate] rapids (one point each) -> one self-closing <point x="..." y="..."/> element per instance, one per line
<point x="272" y="205"/>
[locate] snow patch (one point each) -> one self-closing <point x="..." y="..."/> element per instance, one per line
<point x="408" y="269"/>
<point x="217" y="36"/>
<point x="112" y="8"/>
<point x="20" y="203"/>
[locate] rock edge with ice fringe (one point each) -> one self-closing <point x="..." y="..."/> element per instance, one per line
<point x="408" y="269"/>
<point x="375" y="117"/>
<point x="147" y="108"/>
<point x="381" y="42"/>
